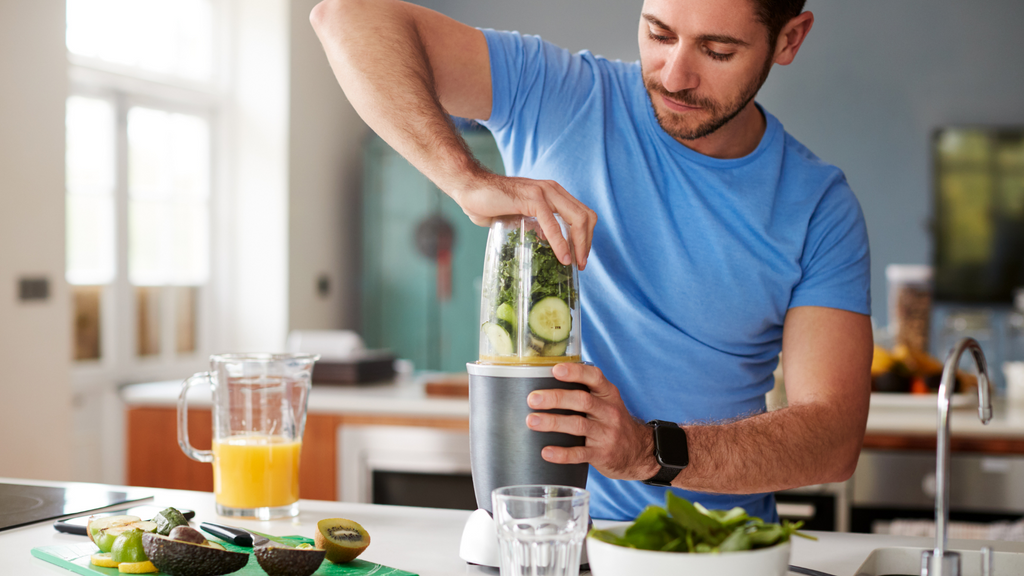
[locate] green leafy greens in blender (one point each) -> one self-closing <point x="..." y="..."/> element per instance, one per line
<point x="549" y="276"/>
<point x="551" y="298"/>
<point x="685" y="527"/>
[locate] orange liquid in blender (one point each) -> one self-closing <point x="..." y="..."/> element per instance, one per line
<point x="528" y="360"/>
<point x="256" y="471"/>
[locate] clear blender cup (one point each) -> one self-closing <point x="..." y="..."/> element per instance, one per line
<point x="529" y="305"/>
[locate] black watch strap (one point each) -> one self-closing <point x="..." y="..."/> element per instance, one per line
<point x="670" y="451"/>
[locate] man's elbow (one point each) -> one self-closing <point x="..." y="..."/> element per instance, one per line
<point x="845" y="462"/>
<point x="326" y="12"/>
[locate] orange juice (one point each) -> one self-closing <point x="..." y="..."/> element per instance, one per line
<point x="256" y="471"/>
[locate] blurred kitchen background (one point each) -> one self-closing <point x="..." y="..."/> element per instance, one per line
<point x="183" y="177"/>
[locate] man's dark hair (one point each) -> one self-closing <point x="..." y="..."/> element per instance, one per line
<point x="774" y="14"/>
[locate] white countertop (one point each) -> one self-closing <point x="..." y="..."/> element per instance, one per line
<point x="422" y="540"/>
<point x="902" y="414"/>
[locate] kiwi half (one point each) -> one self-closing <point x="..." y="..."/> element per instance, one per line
<point x="343" y="539"/>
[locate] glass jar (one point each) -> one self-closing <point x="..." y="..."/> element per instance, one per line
<point x="910" y="304"/>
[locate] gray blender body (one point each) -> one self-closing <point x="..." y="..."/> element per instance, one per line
<point x="503" y="450"/>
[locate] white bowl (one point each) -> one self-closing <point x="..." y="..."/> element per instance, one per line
<point x="611" y="560"/>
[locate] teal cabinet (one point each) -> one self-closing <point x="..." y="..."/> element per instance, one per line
<point x="402" y="307"/>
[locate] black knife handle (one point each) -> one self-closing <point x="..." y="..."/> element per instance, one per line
<point x="236" y="536"/>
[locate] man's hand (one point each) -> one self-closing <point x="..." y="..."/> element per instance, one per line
<point x="490" y="196"/>
<point x="618" y="445"/>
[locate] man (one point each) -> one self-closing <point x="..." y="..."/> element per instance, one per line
<point x="721" y="241"/>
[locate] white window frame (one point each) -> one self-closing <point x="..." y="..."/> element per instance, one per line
<point x="125" y="87"/>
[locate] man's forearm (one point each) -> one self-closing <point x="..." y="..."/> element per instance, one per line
<point x="796" y="446"/>
<point x="380" y="61"/>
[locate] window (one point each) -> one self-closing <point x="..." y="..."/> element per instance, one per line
<point x="979" y="213"/>
<point x="141" y="127"/>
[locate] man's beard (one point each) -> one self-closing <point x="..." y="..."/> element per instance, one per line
<point x="720" y="114"/>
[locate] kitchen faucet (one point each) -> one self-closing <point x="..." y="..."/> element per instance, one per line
<point x="942" y="562"/>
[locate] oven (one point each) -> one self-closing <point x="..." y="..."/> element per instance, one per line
<point x="406" y="466"/>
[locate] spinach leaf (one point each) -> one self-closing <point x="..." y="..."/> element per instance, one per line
<point x="687" y="527"/>
<point x="738" y="540"/>
<point x="690" y="518"/>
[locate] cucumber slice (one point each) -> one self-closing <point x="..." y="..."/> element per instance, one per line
<point x="555" y="348"/>
<point x="550" y="319"/>
<point x="499" y="339"/>
<point x="507" y="313"/>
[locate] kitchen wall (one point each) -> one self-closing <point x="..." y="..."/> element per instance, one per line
<point x="35" y="336"/>
<point x="872" y="82"/>
<point x="324" y="169"/>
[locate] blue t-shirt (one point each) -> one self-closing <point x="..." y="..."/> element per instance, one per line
<point x="695" y="260"/>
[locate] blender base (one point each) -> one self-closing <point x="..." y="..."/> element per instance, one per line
<point x="479" y="543"/>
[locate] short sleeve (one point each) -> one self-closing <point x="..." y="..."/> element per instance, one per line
<point x="836" y="260"/>
<point x="537" y="89"/>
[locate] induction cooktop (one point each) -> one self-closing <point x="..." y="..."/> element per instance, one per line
<point x="22" y="504"/>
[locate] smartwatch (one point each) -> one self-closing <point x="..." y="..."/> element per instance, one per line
<point x="670" y="451"/>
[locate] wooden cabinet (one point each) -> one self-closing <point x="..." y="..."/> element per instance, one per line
<point x="154" y="458"/>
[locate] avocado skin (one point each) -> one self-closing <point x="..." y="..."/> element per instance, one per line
<point x="179" y="558"/>
<point x="280" y="561"/>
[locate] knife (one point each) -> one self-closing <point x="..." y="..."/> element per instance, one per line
<point x="236" y="536"/>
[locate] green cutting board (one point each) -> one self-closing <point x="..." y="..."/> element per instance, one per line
<point x="75" y="557"/>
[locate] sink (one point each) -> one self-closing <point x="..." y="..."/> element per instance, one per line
<point x="898" y="561"/>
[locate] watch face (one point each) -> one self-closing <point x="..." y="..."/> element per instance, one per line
<point x="671" y="445"/>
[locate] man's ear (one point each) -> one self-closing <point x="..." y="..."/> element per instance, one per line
<point x="792" y="37"/>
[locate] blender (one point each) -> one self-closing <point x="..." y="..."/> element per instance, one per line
<point x="530" y="321"/>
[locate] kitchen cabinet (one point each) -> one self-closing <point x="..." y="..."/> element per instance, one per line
<point x="154" y="459"/>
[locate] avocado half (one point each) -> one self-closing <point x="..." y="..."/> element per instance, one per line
<point x="282" y="561"/>
<point x="179" y="558"/>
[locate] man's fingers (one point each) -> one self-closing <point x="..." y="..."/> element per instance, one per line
<point x="572" y="425"/>
<point x="561" y="455"/>
<point x="590" y="376"/>
<point x="555" y="399"/>
<point x="553" y="232"/>
<point x="581" y="221"/>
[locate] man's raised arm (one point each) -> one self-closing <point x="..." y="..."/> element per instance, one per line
<point x="405" y="68"/>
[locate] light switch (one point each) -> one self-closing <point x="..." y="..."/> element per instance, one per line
<point x="33" y="289"/>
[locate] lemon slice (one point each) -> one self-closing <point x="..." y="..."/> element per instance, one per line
<point x="103" y="560"/>
<point x="136" y="567"/>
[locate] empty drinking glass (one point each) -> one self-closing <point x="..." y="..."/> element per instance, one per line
<point x="541" y="529"/>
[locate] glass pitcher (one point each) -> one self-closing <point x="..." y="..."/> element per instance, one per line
<point x="259" y="414"/>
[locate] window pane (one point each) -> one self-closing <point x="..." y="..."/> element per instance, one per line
<point x="168" y="179"/>
<point x="147" y="300"/>
<point x="185" y="318"/>
<point x="86" y="306"/>
<point x="90" y="162"/>
<point x="166" y="36"/>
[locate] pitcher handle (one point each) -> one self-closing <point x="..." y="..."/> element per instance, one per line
<point x="197" y="455"/>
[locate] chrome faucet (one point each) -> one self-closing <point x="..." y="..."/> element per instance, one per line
<point x="942" y="562"/>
